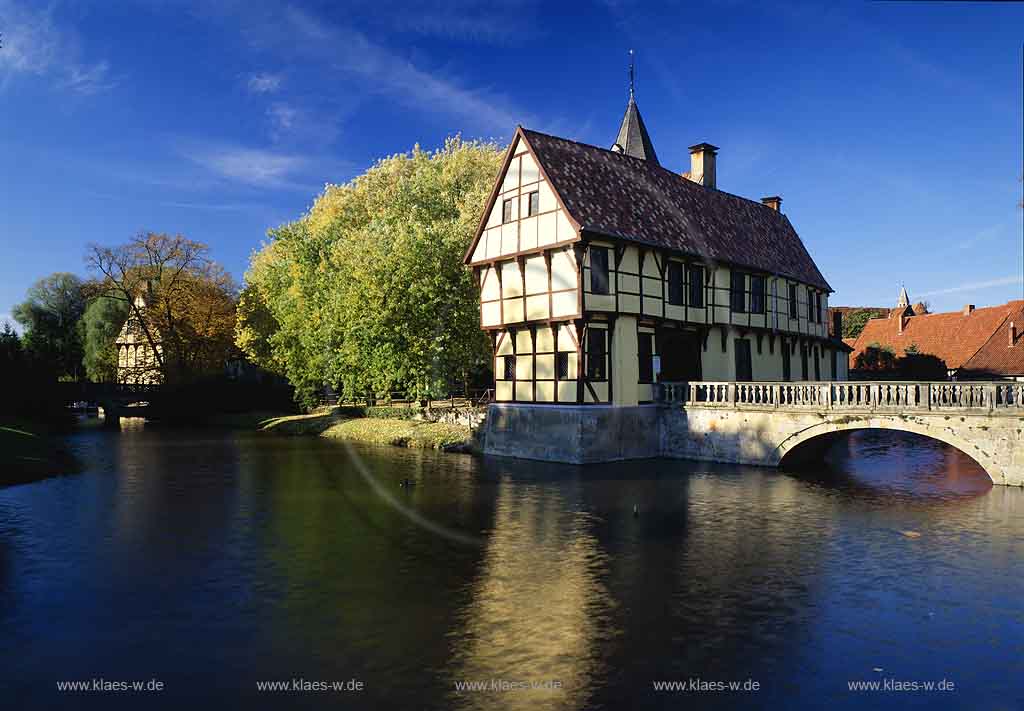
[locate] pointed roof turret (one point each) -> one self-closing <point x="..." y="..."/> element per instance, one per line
<point x="633" y="139"/>
<point x="904" y="298"/>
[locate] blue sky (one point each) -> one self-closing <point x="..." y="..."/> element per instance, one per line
<point x="892" y="130"/>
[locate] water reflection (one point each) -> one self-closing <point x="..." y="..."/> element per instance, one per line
<point x="886" y="464"/>
<point x="213" y="561"/>
<point x="538" y="608"/>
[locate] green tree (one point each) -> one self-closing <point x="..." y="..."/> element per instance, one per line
<point x="98" y="329"/>
<point x="367" y="291"/>
<point x="876" y="360"/>
<point x="49" y="316"/>
<point x="855" y="320"/>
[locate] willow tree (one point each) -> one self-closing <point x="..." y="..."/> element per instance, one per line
<point x="187" y="309"/>
<point x="367" y="291"/>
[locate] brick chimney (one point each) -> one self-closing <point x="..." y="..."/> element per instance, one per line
<point x="774" y="202"/>
<point x="702" y="164"/>
<point x="1013" y="334"/>
<point x="968" y="309"/>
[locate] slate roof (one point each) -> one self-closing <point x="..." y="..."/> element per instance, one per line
<point x="617" y="195"/>
<point x="974" y="341"/>
<point x="633" y="137"/>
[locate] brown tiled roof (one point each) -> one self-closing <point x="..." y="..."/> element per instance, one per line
<point x="616" y="195"/>
<point x="955" y="337"/>
<point x="997" y="357"/>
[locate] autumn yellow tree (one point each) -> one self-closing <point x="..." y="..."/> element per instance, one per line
<point x="187" y="307"/>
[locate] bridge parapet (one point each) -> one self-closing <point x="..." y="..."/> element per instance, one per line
<point x="850" y="396"/>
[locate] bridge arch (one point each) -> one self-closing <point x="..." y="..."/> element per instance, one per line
<point x="813" y="440"/>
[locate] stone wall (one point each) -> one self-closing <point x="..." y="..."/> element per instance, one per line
<point x="573" y="434"/>
<point x="589" y="434"/>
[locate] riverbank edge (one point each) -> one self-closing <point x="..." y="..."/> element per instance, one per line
<point x="31" y="451"/>
<point x="337" y="423"/>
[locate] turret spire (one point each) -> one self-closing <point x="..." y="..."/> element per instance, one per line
<point x="633" y="139"/>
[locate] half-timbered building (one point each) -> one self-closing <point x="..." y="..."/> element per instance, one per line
<point x="602" y="273"/>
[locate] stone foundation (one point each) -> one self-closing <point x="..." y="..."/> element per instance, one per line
<point x="581" y="434"/>
<point x="574" y="434"/>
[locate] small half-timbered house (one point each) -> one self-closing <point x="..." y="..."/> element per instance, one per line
<point x="602" y="273"/>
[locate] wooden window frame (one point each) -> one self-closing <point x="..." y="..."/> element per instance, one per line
<point x="737" y="296"/>
<point x="794" y="307"/>
<point x="562" y="359"/>
<point x="506" y="211"/>
<point x="676" y="287"/>
<point x="596" y="287"/>
<point x="757" y="307"/>
<point x="533" y="203"/>
<point x="645" y="363"/>
<point x="597" y="372"/>
<point x="695" y="286"/>
<point x="506" y="361"/>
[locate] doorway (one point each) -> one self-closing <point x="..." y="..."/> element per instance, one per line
<point x="680" y="355"/>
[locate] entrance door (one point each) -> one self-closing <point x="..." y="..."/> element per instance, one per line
<point x="744" y="365"/>
<point x="680" y="355"/>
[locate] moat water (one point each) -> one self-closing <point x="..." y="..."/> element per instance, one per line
<point x="212" y="562"/>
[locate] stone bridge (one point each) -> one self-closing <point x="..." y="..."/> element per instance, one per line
<point x="117" y="399"/>
<point x="769" y="423"/>
<point x="772" y="423"/>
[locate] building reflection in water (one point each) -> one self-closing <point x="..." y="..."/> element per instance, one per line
<point x="538" y="609"/>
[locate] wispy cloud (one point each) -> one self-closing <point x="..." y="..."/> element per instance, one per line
<point x="975" y="286"/>
<point x="461" y="20"/>
<point x="35" y="45"/>
<point x="282" y="116"/>
<point x="265" y="83"/>
<point x="252" y="166"/>
<point x="381" y="70"/>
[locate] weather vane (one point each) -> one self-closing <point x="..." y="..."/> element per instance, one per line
<point x="631" y="74"/>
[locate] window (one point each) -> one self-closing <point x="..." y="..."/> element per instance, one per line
<point x="744" y="365"/>
<point x="597" y="348"/>
<point x="792" y="301"/>
<point x="737" y="292"/>
<point x="599" y="270"/>
<point x="695" y="273"/>
<point x="533" y="207"/>
<point x="832" y="362"/>
<point x="787" y="368"/>
<point x="562" y="366"/>
<point x="510" y="367"/>
<point x="817" y="300"/>
<point x="817" y="364"/>
<point x="506" y="211"/>
<point x="803" y="362"/>
<point x="810" y="305"/>
<point x="645" y="353"/>
<point x="756" y="294"/>
<point x="675" y="283"/>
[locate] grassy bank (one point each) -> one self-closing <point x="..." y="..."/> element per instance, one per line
<point x="29" y="452"/>
<point x="335" y="423"/>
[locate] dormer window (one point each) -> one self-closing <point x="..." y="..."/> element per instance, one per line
<point x="506" y="211"/>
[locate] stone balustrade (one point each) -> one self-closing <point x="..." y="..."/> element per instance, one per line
<point x="852" y="396"/>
